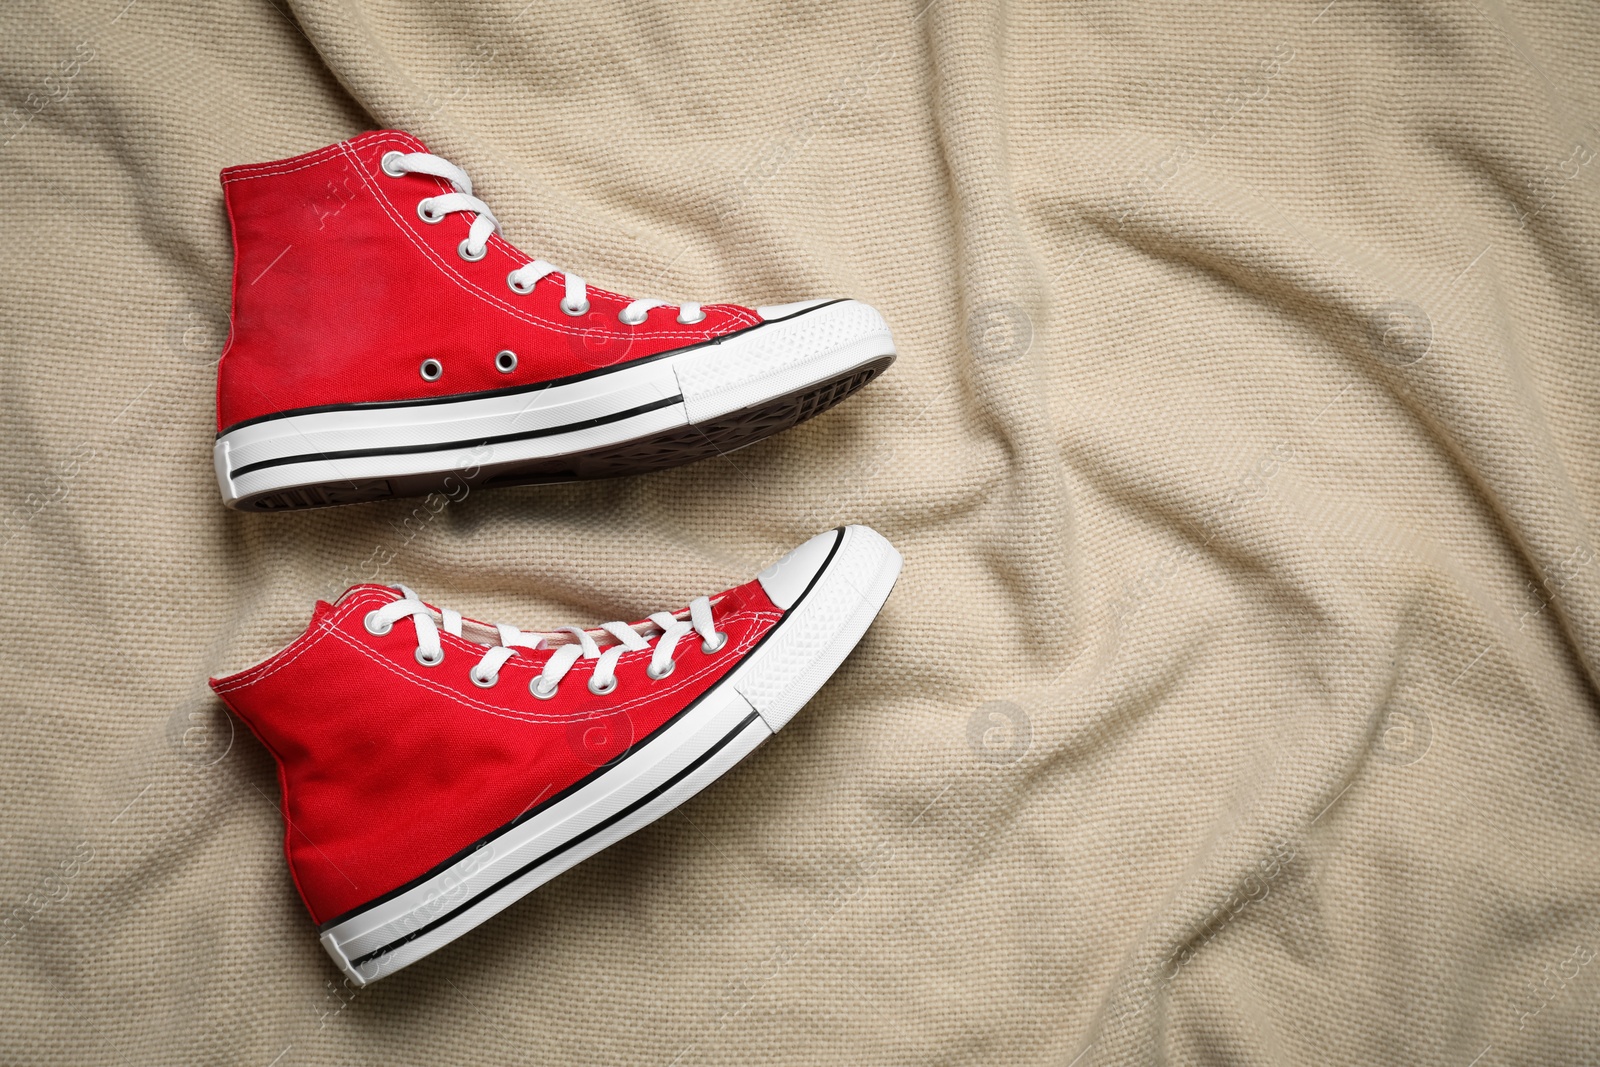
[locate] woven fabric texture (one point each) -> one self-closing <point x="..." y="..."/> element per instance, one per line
<point x="1237" y="704"/>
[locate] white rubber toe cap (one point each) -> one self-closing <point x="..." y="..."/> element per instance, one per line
<point x="831" y="588"/>
<point x="786" y="579"/>
<point x="819" y="344"/>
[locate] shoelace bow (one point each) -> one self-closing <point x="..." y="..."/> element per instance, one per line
<point x="430" y="649"/>
<point x="523" y="279"/>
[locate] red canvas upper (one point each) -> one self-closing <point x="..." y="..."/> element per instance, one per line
<point x="340" y="291"/>
<point x="388" y="768"/>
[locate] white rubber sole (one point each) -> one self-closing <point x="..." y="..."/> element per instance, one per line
<point x="853" y="577"/>
<point x="684" y="405"/>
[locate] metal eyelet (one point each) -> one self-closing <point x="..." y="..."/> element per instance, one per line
<point x="430" y="661"/>
<point x="654" y="676"/>
<point x="690" y="322"/>
<point x="425" y="214"/>
<point x="388" y="158"/>
<point x="505" y="361"/>
<point x="517" y="287"/>
<point x="484" y="683"/>
<point x="711" y="648"/>
<point x="622" y="317"/>
<point x="371" y="622"/>
<point x="538" y="690"/>
<point x="466" y="253"/>
<point x="575" y="309"/>
<point x="430" y="370"/>
<point x="603" y="690"/>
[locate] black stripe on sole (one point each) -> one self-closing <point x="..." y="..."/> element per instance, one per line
<point x="513" y="390"/>
<point x="660" y="451"/>
<point x="524" y="871"/>
<point x="452" y="446"/>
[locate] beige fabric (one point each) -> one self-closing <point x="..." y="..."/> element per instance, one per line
<point x="1237" y="704"/>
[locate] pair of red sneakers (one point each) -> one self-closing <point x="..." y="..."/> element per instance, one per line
<point x="387" y="341"/>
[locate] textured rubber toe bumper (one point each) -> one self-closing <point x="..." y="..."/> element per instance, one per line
<point x="831" y="588"/>
<point x="851" y="580"/>
<point x="648" y="414"/>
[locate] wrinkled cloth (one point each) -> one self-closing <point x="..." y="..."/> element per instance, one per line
<point x="1237" y="704"/>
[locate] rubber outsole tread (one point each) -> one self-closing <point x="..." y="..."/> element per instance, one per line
<point x="673" y="448"/>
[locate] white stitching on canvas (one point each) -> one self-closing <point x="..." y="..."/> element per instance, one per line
<point x="442" y="262"/>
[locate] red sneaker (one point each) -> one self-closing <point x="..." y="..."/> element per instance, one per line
<point x="434" y="773"/>
<point x="386" y="341"/>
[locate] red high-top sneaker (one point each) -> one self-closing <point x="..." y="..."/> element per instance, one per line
<point x="386" y="341"/>
<point x="434" y="773"/>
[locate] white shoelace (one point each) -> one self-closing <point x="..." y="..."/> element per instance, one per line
<point x="524" y="278"/>
<point x="668" y="628"/>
